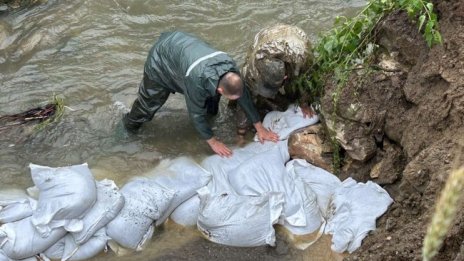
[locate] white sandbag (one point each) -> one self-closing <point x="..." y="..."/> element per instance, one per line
<point x="145" y="202"/>
<point x="284" y="123"/>
<point x="9" y="196"/>
<point x="15" y="211"/>
<point x="357" y="206"/>
<point x="187" y="213"/>
<point x="91" y="248"/>
<point x="243" y="221"/>
<point x="65" y="194"/>
<point x="321" y="182"/>
<point x="123" y="251"/>
<point x="67" y="248"/>
<point x="265" y="172"/>
<point x="55" y="252"/>
<point x="314" y="218"/>
<point x="109" y="203"/>
<point x="220" y="167"/>
<point x="183" y="177"/>
<point x="20" y="239"/>
<point x="4" y="257"/>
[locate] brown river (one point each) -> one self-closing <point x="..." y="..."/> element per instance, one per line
<point x="91" y="54"/>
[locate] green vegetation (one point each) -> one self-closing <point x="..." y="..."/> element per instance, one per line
<point x="56" y="112"/>
<point x="351" y="41"/>
<point x="350" y="44"/>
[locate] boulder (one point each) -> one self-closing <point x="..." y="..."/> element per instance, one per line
<point x="309" y="144"/>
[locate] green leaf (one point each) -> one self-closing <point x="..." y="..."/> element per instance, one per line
<point x="328" y="46"/>
<point x="421" y="21"/>
<point x="410" y="11"/>
<point x="430" y="7"/>
<point x="429" y="27"/>
<point x="438" y="38"/>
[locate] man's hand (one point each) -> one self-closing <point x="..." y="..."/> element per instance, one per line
<point x="219" y="147"/>
<point x="307" y="111"/>
<point x="265" y="134"/>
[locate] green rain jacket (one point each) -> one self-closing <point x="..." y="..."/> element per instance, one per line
<point x="182" y="63"/>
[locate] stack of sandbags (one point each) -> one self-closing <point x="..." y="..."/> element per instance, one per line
<point x="145" y="203"/>
<point x="350" y="208"/>
<point x="151" y="199"/>
<point x="243" y="190"/>
<point x="71" y="208"/>
<point x="65" y="194"/>
<point x="233" y="201"/>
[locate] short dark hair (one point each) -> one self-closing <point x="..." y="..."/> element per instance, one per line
<point x="232" y="83"/>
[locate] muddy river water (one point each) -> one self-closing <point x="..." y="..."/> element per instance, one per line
<point x="91" y="54"/>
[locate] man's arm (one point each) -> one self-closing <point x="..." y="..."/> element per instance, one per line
<point x="198" y="116"/>
<point x="247" y="105"/>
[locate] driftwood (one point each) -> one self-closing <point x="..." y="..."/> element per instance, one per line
<point x="38" y="115"/>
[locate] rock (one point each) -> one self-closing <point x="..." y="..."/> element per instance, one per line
<point x="389" y="169"/>
<point x="355" y="169"/>
<point x="353" y="140"/>
<point x="390" y="225"/>
<point x="309" y="144"/>
<point x="375" y="172"/>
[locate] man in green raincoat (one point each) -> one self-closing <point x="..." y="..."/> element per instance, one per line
<point x="180" y="62"/>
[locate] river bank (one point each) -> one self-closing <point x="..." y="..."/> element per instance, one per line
<point x="402" y="126"/>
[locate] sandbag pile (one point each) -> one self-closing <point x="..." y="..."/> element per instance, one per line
<point x="152" y="198"/>
<point x="66" y="221"/>
<point x="234" y="201"/>
<point x="74" y="216"/>
<point x="260" y="181"/>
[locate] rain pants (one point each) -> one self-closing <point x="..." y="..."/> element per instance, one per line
<point x="180" y="62"/>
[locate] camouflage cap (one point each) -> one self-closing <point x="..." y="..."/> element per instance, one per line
<point x="272" y="74"/>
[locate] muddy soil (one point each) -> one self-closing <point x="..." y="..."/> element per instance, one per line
<point x="408" y="120"/>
